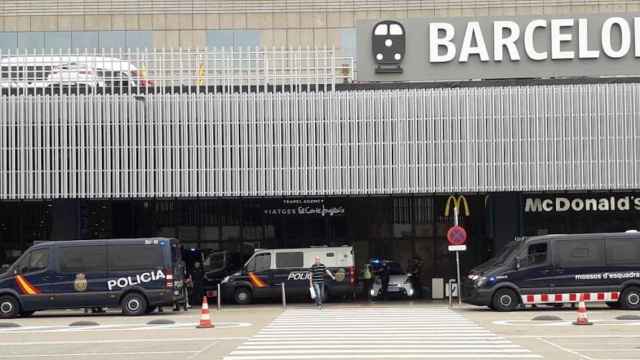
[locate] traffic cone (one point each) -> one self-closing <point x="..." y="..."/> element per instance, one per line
<point x="582" y="314"/>
<point x="205" y="317"/>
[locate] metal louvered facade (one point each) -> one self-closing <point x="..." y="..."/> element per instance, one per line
<point x="521" y="138"/>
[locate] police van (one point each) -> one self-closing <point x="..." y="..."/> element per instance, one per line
<point x="135" y="274"/>
<point x="262" y="275"/>
<point x="560" y="269"/>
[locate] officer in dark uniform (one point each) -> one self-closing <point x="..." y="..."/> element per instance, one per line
<point x="415" y="269"/>
<point x="197" y="277"/>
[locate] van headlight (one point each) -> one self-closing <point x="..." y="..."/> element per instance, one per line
<point x="480" y="281"/>
<point x="473" y="277"/>
<point x="225" y="280"/>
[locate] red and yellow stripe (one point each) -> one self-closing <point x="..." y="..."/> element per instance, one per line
<point x="25" y="286"/>
<point x="256" y="281"/>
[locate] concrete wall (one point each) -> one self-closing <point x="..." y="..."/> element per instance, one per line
<point x="292" y="23"/>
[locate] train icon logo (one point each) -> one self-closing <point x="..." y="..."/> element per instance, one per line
<point x="388" y="46"/>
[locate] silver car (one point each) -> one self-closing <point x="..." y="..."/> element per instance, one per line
<point x="399" y="282"/>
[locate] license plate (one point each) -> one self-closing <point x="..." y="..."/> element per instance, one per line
<point x="393" y="289"/>
<point x="212" y="293"/>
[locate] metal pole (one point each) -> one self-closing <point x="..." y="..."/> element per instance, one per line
<point x="456" y="213"/>
<point x="450" y="292"/>
<point x="219" y="298"/>
<point x="284" y="297"/>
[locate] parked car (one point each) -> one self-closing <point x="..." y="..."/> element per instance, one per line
<point x="560" y="269"/>
<point x="399" y="282"/>
<point x="261" y="277"/>
<point x="48" y="71"/>
<point x="135" y="274"/>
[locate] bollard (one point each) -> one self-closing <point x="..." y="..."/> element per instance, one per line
<point x="284" y="297"/>
<point x="219" y="298"/>
<point x="450" y="292"/>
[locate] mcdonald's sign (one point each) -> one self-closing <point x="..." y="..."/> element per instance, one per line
<point x="457" y="201"/>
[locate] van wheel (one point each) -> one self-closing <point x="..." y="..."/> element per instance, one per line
<point x="134" y="304"/>
<point x="505" y="300"/>
<point x="9" y="307"/>
<point x="631" y="298"/>
<point x="242" y="296"/>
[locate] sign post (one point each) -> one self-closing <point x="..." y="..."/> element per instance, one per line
<point x="457" y="236"/>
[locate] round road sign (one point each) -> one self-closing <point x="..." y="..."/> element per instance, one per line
<point x="457" y="235"/>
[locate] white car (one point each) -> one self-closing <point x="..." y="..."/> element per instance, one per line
<point x="44" y="71"/>
<point x="399" y="282"/>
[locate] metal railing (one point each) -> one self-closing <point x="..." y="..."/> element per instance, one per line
<point x="161" y="71"/>
<point x="403" y="141"/>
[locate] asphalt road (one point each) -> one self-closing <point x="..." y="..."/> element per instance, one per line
<point x="394" y="330"/>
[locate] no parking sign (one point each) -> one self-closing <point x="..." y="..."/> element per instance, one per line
<point x="457" y="236"/>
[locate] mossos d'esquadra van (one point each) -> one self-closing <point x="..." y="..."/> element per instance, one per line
<point x="135" y="274"/>
<point x="560" y="269"/>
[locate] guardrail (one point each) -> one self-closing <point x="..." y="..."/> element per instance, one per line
<point x="216" y="70"/>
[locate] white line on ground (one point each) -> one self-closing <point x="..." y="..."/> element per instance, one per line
<point x="201" y="351"/>
<point x="374" y="346"/>
<point x="368" y="342"/>
<point x="389" y="356"/>
<point x="379" y="351"/>
<point x="121" y="341"/>
<point x="403" y="337"/>
<point x="569" y="336"/>
<point x="99" y="354"/>
<point x="572" y="352"/>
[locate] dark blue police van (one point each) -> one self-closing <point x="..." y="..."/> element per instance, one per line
<point x="559" y="269"/>
<point x="135" y="274"/>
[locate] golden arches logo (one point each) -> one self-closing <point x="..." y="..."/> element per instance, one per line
<point x="457" y="201"/>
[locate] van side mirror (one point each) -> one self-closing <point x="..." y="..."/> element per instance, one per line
<point x="517" y="263"/>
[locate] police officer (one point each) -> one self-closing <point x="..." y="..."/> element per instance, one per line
<point x="366" y="276"/>
<point x="415" y="269"/>
<point x="197" y="276"/>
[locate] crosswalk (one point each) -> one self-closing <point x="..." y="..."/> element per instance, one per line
<point x="376" y="333"/>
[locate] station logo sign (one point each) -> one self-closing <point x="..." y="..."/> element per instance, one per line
<point x="388" y="45"/>
<point x="579" y="204"/>
<point x="471" y="48"/>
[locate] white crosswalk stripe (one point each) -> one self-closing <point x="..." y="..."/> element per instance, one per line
<point x="376" y="333"/>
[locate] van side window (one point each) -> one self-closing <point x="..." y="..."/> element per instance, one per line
<point x="80" y="259"/>
<point x="38" y="260"/>
<point x="578" y="253"/>
<point x="623" y="251"/>
<point x="260" y="262"/>
<point x="286" y="260"/>
<point x="537" y="254"/>
<point x="135" y="257"/>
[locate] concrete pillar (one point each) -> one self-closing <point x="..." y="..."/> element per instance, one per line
<point x="64" y="220"/>
<point x="506" y="218"/>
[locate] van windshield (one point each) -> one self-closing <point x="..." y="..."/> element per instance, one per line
<point x="505" y="253"/>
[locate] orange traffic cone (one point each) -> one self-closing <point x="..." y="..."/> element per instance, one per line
<point x="582" y="314"/>
<point x="205" y="317"/>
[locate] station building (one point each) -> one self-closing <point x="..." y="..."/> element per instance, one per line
<point x="347" y="149"/>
